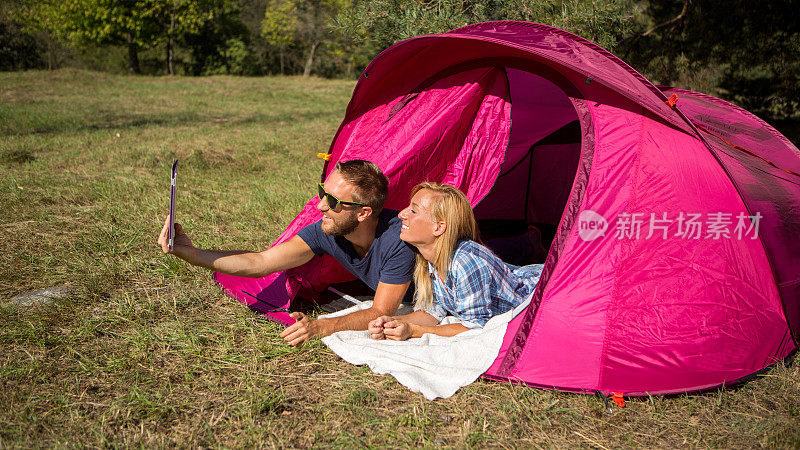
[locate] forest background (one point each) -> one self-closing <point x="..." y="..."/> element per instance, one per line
<point x="742" y="51"/>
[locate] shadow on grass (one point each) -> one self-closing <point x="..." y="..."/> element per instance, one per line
<point x="115" y="121"/>
<point x="17" y="156"/>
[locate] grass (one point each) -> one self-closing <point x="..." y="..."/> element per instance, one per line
<point x="152" y="353"/>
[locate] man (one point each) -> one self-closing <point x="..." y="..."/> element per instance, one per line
<point x="355" y="229"/>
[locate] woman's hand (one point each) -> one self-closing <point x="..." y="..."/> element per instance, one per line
<point x="400" y="328"/>
<point x="375" y="327"/>
<point x="397" y="329"/>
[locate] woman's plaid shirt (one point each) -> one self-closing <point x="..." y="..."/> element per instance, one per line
<point x="480" y="285"/>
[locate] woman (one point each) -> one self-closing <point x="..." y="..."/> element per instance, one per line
<point x="454" y="274"/>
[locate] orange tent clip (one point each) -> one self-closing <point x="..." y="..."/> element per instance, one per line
<point x="618" y="399"/>
<point x="673" y="100"/>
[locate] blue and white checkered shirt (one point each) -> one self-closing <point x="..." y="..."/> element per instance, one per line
<point x="480" y="285"/>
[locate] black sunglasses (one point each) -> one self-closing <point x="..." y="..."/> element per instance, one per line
<point x="334" y="202"/>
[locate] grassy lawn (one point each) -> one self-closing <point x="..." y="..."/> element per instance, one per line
<point x="150" y="352"/>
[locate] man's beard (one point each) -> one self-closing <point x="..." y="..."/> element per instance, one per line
<point x="342" y="227"/>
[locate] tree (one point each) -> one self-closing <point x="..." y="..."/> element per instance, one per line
<point x="279" y="27"/>
<point x="189" y="21"/>
<point x="137" y="24"/>
<point x="746" y="52"/>
<point x="251" y="15"/>
<point x="219" y="43"/>
<point x="19" y="50"/>
<point x="303" y="24"/>
<point x="101" y="22"/>
<point x="385" y="22"/>
<point x="176" y="18"/>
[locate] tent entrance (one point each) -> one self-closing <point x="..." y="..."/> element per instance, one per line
<point x="504" y="132"/>
<point x="540" y="163"/>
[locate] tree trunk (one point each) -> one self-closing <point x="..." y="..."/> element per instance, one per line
<point x="310" y="60"/>
<point x="171" y="43"/>
<point x="281" y="54"/>
<point x="133" y="56"/>
<point x="170" y="65"/>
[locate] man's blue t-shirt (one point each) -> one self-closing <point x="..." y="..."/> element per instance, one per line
<point x="388" y="260"/>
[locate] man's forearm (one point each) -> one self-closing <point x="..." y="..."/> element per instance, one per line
<point x="240" y="263"/>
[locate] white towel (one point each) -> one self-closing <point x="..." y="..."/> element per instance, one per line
<point x="432" y="365"/>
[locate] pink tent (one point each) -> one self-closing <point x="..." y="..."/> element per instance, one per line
<point x="675" y="259"/>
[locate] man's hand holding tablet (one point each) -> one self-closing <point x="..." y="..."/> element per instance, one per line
<point x="172" y="238"/>
<point x="172" y="186"/>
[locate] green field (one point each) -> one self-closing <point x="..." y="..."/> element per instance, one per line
<point x="150" y="352"/>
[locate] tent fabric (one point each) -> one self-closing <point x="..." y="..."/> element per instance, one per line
<point x="759" y="161"/>
<point x="674" y="266"/>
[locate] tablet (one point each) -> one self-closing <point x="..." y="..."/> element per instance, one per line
<point x="171" y="235"/>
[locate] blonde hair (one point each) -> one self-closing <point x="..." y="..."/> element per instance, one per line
<point x="448" y="205"/>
